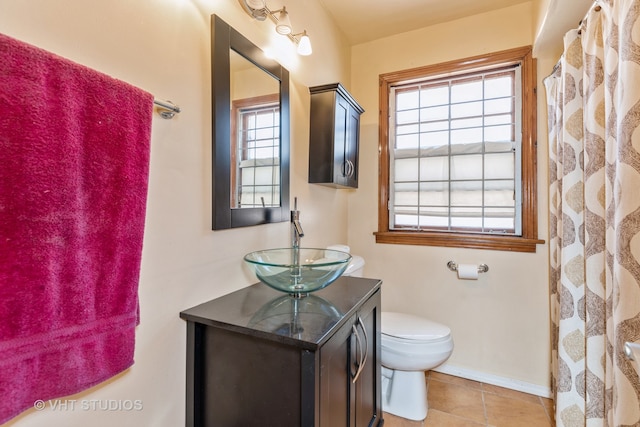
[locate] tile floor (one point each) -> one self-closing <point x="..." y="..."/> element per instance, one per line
<point x="458" y="402"/>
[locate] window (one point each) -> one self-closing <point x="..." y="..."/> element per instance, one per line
<point x="458" y="154"/>
<point x="255" y="152"/>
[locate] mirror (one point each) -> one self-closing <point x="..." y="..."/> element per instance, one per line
<point x="250" y="113"/>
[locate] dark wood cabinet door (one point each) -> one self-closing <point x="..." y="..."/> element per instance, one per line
<point x="340" y="167"/>
<point x="367" y="402"/>
<point x="350" y="371"/>
<point x="351" y="148"/>
<point x="335" y="379"/>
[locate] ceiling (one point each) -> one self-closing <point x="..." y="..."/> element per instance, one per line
<point x="366" y="20"/>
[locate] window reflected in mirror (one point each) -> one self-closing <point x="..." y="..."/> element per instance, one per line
<point x="255" y="136"/>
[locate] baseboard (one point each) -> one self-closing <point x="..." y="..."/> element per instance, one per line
<point x="496" y="380"/>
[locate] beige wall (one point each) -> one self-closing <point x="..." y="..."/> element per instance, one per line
<point x="162" y="46"/>
<point x="500" y="323"/>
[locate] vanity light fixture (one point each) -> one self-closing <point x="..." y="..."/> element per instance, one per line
<point x="259" y="10"/>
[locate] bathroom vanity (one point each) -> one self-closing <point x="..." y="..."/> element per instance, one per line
<point x="259" y="357"/>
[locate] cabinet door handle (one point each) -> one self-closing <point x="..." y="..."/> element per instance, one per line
<point x="366" y="342"/>
<point x="359" y="342"/>
<point x="348" y="168"/>
<point x="363" y="354"/>
<point x="351" y="168"/>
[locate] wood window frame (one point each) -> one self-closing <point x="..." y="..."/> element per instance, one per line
<point x="528" y="241"/>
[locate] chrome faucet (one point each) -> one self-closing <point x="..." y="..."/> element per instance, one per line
<point x="296" y="228"/>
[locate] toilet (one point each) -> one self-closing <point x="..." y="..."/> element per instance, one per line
<point x="356" y="265"/>
<point x="410" y="345"/>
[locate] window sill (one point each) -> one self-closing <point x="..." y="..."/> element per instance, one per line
<point x="469" y="241"/>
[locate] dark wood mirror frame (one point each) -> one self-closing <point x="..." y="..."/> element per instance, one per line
<point x="223" y="39"/>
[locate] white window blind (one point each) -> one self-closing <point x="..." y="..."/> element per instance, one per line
<point x="455" y="153"/>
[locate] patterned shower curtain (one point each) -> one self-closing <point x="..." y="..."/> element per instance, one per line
<point x="593" y="97"/>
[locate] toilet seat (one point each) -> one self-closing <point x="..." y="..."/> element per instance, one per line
<point x="402" y="327"/>
<point x="413" y="343"/>
<point x="390" y="340"/>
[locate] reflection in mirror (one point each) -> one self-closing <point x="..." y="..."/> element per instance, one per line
<point x="250" y="125"/>
<point x="255" y="136"/>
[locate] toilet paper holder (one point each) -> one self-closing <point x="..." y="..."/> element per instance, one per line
<point x="482" y="268"/>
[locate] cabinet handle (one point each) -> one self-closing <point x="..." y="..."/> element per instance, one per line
<point x="359" y="364"/>
<point x="348" y="168"/>
<point x="366" y="342"/>
<point x="363" y="354"/>
<point x="351" y="168"/>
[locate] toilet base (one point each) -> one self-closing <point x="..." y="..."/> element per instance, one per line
<point x="404" y="393"/>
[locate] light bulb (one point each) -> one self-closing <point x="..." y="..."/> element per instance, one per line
<point x="304" y="46"/>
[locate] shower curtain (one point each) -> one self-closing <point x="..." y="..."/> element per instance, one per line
<point x="593" y="99"/>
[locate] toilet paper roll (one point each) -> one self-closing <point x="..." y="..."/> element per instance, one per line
<point x="468" y="271"/>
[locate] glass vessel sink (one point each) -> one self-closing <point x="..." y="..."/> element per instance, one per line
<point x="298" y="271"/>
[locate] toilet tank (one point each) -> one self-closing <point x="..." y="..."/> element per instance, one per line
<point x="356" y="265"/>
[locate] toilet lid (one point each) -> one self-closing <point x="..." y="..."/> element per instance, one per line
<point x="402" y="325"/>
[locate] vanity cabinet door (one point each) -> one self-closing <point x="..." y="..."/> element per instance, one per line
<point x="350" y="371"/>
<point x="334" y="137"/>
<point x="335" y="379"/>
<point x="367" y="386"/>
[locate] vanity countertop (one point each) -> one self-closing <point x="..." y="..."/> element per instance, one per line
<point x="261" y="311"/>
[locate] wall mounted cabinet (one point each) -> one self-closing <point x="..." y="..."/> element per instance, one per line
<point x="257" y="357"/>
<point x="334" y="137"/>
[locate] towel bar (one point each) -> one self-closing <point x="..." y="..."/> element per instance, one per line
<point x="166" y="109"/>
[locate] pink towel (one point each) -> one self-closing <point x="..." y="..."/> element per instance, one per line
<point x="74" y="162"/>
